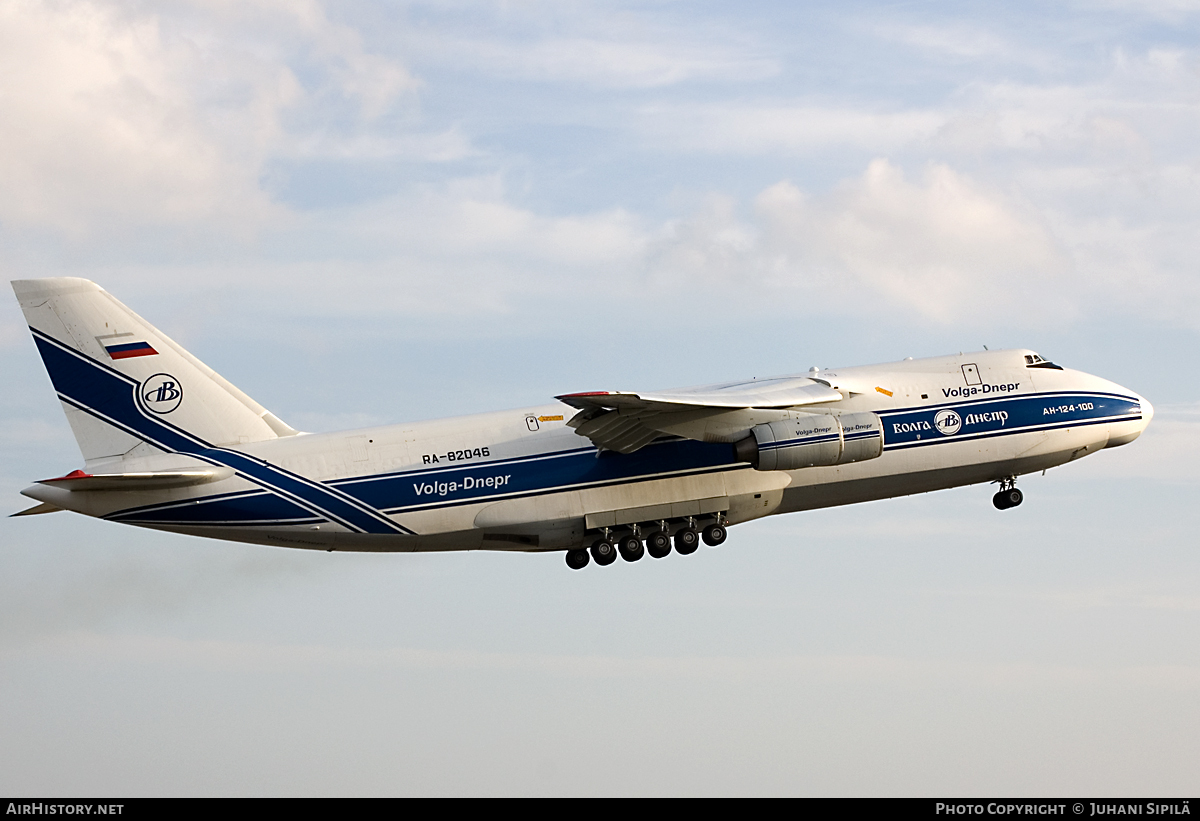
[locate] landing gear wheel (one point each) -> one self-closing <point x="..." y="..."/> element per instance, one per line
<point x="658" y="545"/>
<point x="715" y="535"/>
<point x="686" y="541"/>
<point x="603" y="552"/>
<point x="1008" y="498"/>
<point x="631" y="548"/>
<point x="578" y="559"/>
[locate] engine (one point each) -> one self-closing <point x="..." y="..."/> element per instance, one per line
<point x="812" y="440"/>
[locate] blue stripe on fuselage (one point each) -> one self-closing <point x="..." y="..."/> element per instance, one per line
<point x="448" y="487"/>
<point x="982" y="418"/>
<point x="535" y="475"/>
<point x="237" y="507"/>
<point x="425" y="488"/>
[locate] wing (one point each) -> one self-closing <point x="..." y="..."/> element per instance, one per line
<point x="624" y="421"/>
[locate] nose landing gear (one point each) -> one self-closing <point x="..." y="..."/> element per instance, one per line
<point x="1008" y="495"/>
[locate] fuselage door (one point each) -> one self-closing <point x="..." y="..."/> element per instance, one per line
<point x="971" y="374"/>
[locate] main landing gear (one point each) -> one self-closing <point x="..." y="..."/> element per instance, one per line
<point x="1008" y="496"/>
<point x="630" y="547"/>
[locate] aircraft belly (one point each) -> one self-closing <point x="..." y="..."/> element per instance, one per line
<point x="335" y="538"/>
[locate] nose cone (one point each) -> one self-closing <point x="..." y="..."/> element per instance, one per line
<point x="1125" y="432"/>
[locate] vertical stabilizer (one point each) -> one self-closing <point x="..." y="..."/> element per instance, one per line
<point x="124" y="384"/>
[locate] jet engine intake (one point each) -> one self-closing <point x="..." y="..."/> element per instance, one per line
<point x="812" y="440"/>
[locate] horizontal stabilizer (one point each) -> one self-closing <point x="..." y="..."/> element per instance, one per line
<point x="78" y="480"/>
<point x="44" y="507"/>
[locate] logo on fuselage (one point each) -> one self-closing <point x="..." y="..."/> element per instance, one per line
<point x="161" y="393"/>
<point x="947" y="422"/>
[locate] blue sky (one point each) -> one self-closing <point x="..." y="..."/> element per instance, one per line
<point x="363" y="213"/>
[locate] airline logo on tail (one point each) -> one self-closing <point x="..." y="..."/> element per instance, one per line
<point x="162" y="393"/>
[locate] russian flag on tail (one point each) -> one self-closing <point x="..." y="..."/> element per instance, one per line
<point x="130" y="349"/>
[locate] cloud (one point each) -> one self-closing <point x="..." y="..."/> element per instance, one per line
<point x="141" y="117"/>
<point x="611" y="63"/>
<point x="940" y="248"/>
<point x="1133" y="104"/>
<point x="462" y="248"/>
<point x="1171" y="11"/>
<point x="787" y="128"/>
<point x="115" y="117"/>
<point x="437" y="147"/>
<point x="99" y="128"/>
<point x="597" y="45"/>
<point x="954" y="40"/>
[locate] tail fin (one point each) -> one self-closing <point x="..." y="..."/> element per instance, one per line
<point x="124" y="385"/>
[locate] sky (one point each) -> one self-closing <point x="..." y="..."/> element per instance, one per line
<point x="363" y="213"/>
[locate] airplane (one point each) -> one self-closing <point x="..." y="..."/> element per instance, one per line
<point x="169" y="444"/>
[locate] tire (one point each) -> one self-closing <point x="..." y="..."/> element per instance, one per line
<point x="658" y="545"/>
<point x="604" y="553"/>
<point x="578" y="559"/>
<point x="631" y="548"/>
<point x="715" y="535"/>
<point x="686" y="541"/>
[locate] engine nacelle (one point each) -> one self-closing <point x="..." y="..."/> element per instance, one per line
<point x="812" y="440"/>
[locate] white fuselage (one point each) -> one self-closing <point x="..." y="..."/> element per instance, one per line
<point x="525" y="480"/>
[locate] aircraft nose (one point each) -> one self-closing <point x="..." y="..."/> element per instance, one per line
<point x="1147" y="411"/>
<point x="1128" y="431"/>
<point x="1125" y="432"/>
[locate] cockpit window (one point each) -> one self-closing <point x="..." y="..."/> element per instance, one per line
<point x="1033" y="360"/>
